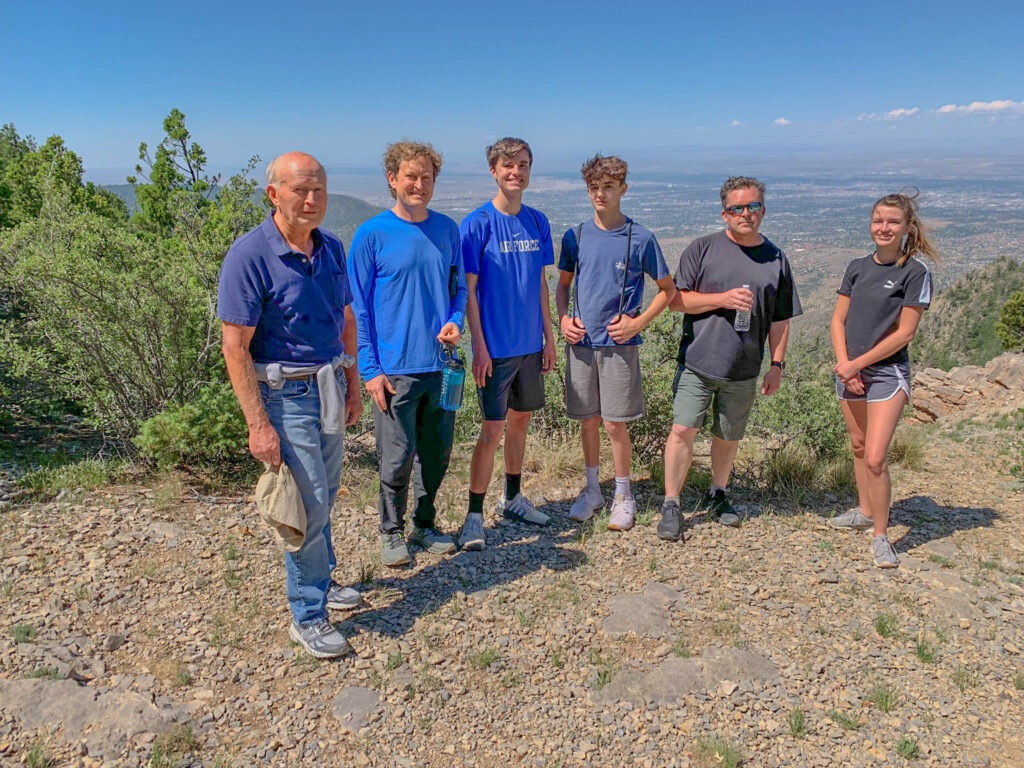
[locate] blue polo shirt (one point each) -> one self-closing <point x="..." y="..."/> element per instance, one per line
<point x="509" y="254"/>
<point x="295" y="303"/>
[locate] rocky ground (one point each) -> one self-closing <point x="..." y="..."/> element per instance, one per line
<point x="147" y="626"/>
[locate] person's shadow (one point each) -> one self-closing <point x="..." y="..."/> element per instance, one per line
<point x="928" y="520"/>
<point x="514" y="550"/>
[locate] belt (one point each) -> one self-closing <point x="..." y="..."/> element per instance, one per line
<point x="307" y="377"/>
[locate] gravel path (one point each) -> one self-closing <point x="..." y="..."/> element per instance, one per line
<point x="149" y="625"/>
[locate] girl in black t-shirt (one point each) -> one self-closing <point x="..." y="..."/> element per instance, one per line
<point x="880" y="303"/>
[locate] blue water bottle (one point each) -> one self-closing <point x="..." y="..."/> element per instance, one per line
<point x="453" y="377"/>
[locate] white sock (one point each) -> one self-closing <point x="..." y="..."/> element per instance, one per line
<point x="593" y="480"/>
<point x="672" y="498"/>
<point x="622" y="486"/>
<point x="713" y="488"/>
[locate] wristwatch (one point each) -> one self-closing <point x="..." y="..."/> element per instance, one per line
<point x="780" y="364"/>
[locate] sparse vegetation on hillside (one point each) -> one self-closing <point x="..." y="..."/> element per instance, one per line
<point x="959" y="329"/>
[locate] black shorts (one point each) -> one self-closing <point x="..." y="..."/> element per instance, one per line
<point x="515" y="383"/>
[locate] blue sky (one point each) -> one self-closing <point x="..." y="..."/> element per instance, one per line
<point x="648" y="78"/>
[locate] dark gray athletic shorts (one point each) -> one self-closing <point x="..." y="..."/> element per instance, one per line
<point x="730" y="402"/>
<point x="605" y="382"/>
<point x="516" y="383"/>
<point x="881" y="382"/>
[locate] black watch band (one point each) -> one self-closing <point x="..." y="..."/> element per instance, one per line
<point x="780" y="364"/>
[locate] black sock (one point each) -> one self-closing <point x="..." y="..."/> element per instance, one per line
<point x="511" y="486"/>
<point x="476" y="503"/>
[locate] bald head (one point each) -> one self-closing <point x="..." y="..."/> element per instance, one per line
<point x="296" y="163"/>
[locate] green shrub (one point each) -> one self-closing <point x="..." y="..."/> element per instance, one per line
<point x="46" y="482"/>
<point x="1010" y="325"/>
<point x="210" y="429"/>
<point x="122" y="314"/>
<point x="804" y="411"/>
<point x="908" y="448"/>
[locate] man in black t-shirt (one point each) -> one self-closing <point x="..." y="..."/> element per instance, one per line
<point x="732" y="271"/>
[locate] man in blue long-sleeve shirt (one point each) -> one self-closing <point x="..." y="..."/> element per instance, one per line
<point x="409" y="296"/>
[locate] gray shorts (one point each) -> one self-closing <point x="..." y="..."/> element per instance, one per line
<point x="730" y="401"/>
<point x="516" y="383"/>
<point x="881" y="382"/>
<point x="605" y="382"/>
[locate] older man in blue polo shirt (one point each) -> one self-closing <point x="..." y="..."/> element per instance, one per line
<point x="289" y="341"/>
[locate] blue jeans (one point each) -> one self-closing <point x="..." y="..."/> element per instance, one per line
<point x="315" y="461"/>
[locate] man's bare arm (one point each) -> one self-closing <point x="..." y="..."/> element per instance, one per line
<point x="264" y="443"/>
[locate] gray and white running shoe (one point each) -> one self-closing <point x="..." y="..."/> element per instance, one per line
<point x="585" y="505"/>
<point x="393" y="551"/>
<point x="432" y="540"/>
<point x="852" y="520"/>
<point x="472" y="536"/>
<point x="320" y="639"/>
<point x="342" y="598"/>
<point x="883" y="552"/>
<point x="522" y="509"/>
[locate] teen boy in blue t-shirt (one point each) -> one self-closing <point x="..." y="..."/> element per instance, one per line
<point x="606" y="259"/>
<point x="505" y="247"/>
<point x="408" y="294"/>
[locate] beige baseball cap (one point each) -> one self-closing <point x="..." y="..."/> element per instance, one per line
<point x="280" y="505"/>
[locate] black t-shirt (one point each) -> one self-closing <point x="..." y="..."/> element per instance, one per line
<point x="878" y="293"/>
<point x="714" y="264"/>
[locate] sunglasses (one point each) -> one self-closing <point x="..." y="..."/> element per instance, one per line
<point x="736" y="210"/>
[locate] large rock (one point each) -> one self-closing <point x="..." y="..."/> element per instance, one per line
<point x="674" y="678"/>
<point x="353" y="707"/>
<point x="938" y="394"/>
<point x="643" y="614"/>
<point x="109" y="720"/>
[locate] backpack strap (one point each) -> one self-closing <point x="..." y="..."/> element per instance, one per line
<point x="625" y="269"/>
<point x="576" y="274"/>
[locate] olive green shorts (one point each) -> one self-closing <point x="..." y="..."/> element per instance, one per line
<point x="730" y="401"/>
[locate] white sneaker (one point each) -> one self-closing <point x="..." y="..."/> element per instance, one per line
<point x="623" y="509"/>
<point x="585" y="506"/>
<point x="472" y="536"/>
<point x="522" y="509"/>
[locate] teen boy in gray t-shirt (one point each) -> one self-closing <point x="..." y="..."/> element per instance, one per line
<point x="718" y="365"/>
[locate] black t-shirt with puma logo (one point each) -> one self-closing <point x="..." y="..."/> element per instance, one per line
<point x="878" y="293"/>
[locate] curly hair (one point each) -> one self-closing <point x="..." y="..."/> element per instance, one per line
<point x="600" y="165"/>
<point x="506" y="149"/>
<point x="396" y="153"/>
<point x="916" y="240"/>
<point x="734" y="183"/>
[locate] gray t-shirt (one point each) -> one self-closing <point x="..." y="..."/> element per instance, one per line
<point x="878" y="292"/>
<point x="714" y="264"/>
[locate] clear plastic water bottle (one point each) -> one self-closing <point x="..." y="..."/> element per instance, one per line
<point x="742" y="322"/>
<point x="453" y="378"/>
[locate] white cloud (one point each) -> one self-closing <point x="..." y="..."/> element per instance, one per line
<point x="782" y="121"/>
<point x="893" y="114"/>
<point x="1002" y="106"/>
<point x="735" y="123"/>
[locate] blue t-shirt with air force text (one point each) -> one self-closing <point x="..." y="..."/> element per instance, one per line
<point x="598" y="286"/>
<point x="508" y="254"/>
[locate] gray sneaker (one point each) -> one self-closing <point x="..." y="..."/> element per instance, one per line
<point x="432" y="540"/>
<point x="522" y="509"/>
<point x="393" y="551"/>
<point x="883" y="552"/>
<point x="320" y="639"/>
<point x="670" y="527"/>
<point x="472" y="536"/>
<point x="852" y="520"/>
<point x="342" y="598"/>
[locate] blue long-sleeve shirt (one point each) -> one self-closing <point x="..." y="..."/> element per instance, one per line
<point x="399" y="272"/>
